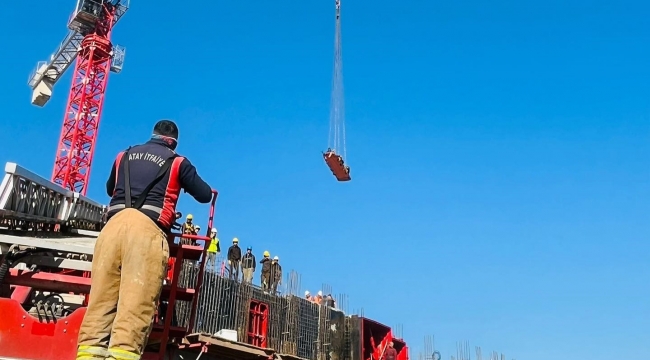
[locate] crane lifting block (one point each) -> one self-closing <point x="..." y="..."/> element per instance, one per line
<point x="337" y="165"/>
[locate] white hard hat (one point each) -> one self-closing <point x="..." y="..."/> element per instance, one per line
<point x="306" y="292"/>
<point x="214" y="230"/>
<point x="320" y="293"/>
<point x="198" y="227"/>
<point x="276" y="258"/>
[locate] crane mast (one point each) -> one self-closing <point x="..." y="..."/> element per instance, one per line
<point x="89" y="42"/>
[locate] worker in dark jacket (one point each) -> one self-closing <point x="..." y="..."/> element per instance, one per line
<point x="329" y="301"/>
<point x="389" y="353"/>
<point x="131" y="251"/>
<point x="276" y="274"/>
<point x="265" y="281"/>
<point x="248" y="265"/>
<point x="234" y="257"/>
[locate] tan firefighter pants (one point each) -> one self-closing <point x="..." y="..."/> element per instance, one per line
<point x="129" y="263"/>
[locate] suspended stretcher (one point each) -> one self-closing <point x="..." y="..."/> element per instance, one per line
<point x="337" y="165"/>
<point x="336" y="139"/>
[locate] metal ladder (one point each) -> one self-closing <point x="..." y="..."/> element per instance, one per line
<point x="172" y="292"/>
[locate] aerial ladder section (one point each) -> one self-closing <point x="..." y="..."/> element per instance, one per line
<point x="47" y="240"/>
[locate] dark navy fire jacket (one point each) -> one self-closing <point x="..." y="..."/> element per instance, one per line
<point x="145" y="162"/>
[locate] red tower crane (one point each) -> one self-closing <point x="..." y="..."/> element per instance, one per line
<point x="89" y="42"/>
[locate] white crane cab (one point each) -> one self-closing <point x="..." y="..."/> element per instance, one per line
<point x="86" y="15"/>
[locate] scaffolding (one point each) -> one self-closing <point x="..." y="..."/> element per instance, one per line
<point x="290" y="334"/>
<point x="293" y="325"/>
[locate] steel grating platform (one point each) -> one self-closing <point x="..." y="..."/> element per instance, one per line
<point x="30" y="202"/>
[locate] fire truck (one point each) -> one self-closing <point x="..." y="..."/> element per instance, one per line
<point x="47" y="236"/>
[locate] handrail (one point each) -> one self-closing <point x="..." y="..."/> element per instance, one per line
<point x="26" y="195"/>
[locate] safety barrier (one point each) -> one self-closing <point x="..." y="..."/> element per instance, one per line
<point x="27" y="196"/>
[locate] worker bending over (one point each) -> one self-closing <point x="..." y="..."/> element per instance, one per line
<point x="329" y="301"/>
<point x="131" y="251"/>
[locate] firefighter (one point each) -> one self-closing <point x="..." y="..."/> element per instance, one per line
<point x="248" y="265"/>
<point x="266" y="271"/>
<point x="234" y="257"/>
<point x="213" y="249"/>
<point x="131" y="251"/>
<point x="276" y="274"/>
<point x="389" y="352"/>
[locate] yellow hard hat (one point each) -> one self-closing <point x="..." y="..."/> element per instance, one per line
<point x="267" y="254"/>
<point x="190" y="217"/>
<point x="235" y="240"/>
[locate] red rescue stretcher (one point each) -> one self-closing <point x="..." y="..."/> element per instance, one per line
<point x="337" y="165"/>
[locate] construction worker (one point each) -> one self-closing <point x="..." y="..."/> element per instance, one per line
<point x="318" y="299"/>
<point x="234" y="257"/>
<point x="308" y="295"/>
<point x="248" y="265"/>
<point x="276" y="274"/>
<point x="389" y="352"/>
<point x="265" y="280"/>
<point x="131" y="251"/>
<point x="188" y="226"/>
<point x="329" y="300"/>
<point x="188" y="229"/>
<point x="213" y="249"/>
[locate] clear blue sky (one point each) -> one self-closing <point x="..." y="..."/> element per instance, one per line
<point x="500" y="152"/>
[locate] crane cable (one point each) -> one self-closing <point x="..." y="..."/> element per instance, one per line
<point x="336" y="140"/>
